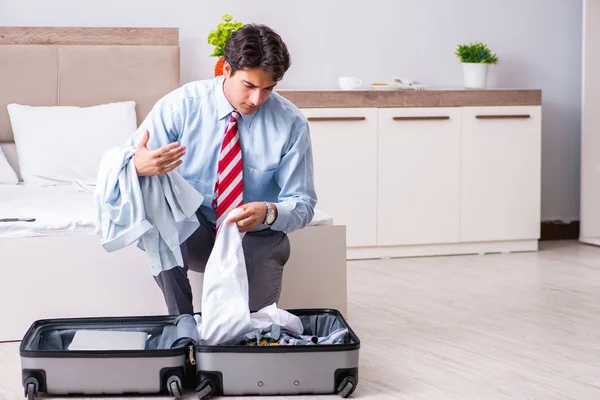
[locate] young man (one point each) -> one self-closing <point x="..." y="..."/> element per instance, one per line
<point x="239" y="145"/>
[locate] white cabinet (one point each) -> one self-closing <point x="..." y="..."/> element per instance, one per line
<point x="423" y="181"/>
<point x="500" y="173"/>
<point x="344" y="142"/>
<point x="418" y="176"/>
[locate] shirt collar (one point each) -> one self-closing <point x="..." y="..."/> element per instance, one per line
<point x="224" y="108"/>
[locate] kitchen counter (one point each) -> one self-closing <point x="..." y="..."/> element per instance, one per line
<point x="365" y="98"/>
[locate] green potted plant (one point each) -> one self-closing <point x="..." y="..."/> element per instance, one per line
<point x="475" y="59"/>
<point x="218" y="37"/>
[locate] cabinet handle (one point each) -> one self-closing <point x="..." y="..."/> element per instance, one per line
<point x="423" y="118"/>
<point x="325" y="119"/>
<point x="516" y="116"/>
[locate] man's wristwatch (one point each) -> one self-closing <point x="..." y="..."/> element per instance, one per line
<point x="270" y="217"/>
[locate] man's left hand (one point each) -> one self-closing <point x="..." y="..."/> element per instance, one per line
<point x="253" y="215"/>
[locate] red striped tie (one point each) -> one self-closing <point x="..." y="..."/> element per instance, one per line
<point x="228" y="187"/>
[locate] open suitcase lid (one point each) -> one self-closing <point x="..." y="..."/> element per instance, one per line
<point x="110" y="337"/>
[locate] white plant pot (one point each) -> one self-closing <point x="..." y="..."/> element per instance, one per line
<point x="475" y="75"/>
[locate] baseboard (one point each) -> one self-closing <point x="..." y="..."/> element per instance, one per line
<point x="361" y="253"/>
<point x="594" y="241"/>
<point x="559" y="230"/>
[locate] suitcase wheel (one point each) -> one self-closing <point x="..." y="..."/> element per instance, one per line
<point x="206" y="388"/>
<point x="347" y="386"/>
<point x="174" y="386"/>
<point x="31" y="388"/>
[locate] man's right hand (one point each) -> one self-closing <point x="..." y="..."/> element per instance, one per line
<point x="159" y="161"/>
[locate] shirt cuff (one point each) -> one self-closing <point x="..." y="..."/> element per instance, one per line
<point x="284" y="210"/>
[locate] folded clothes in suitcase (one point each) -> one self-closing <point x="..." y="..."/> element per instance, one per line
<point x="148" y="355"/>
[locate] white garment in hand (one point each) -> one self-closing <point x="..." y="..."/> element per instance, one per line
<point x="266" y="317"/>
<point x="225" y="310"/>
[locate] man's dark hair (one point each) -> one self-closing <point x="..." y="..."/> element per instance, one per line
<point x="257" y="46"/>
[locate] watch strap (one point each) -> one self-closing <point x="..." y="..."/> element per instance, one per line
<point x="270" y="211"/>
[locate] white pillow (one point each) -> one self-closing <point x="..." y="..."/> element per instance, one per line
<point x="61" y="144"/>
<point x="8" y="176"/>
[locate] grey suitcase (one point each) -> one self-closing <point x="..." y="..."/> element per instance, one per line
<point x="234" y="369"/>
<point x="49" y="366"/>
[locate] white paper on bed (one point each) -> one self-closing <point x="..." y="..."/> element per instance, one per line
<point x="225" y="310"/>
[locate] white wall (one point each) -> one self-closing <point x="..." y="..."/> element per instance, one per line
<point x="538" y="42"/>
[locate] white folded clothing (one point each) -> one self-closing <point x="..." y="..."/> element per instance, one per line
<point x="270" y="315"/>
<point x="265" y="317"/>
<point x="108" y="340"/>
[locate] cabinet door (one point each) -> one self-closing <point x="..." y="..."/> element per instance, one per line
<point x="344" y="144"/>
<point x="500" y="179"/>
<point x="418" y="166"/>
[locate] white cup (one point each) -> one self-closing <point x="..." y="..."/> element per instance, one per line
<point x="349" y="82"/>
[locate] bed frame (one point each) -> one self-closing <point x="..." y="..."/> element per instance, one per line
<point x="68" y="276"/>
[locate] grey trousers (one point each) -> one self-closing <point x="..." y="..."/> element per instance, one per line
<point x="266" y="253"/>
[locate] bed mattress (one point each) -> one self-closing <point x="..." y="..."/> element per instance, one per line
<point x="60" y="211"/>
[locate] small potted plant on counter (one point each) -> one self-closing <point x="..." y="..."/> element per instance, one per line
<point x="219" y="36"/>
<point x="475" y="59"/>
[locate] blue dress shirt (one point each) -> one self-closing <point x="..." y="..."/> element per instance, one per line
<point x="276" y="148"/>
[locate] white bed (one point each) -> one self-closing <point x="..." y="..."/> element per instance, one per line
<point x="58" y="211"/>
<point x="55" y="266"/>
<point x="65" y="210"/>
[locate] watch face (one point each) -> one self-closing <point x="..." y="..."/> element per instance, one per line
<point x="270" y="217"/>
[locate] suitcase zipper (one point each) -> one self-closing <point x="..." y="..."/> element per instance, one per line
<point x="191" y="355"/>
